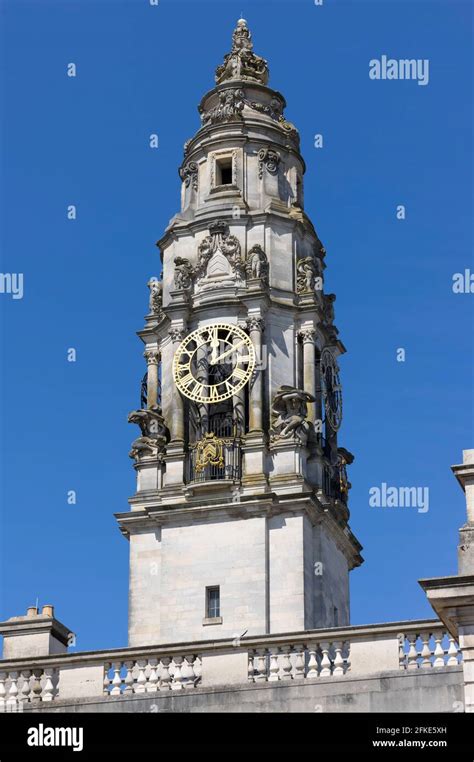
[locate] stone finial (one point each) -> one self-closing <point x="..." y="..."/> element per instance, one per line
<point x="242" y="63"/>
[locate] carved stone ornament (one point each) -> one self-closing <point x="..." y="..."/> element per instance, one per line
<point x="177" y="334"/>
<point x="189" y="174"/>
<point x="155" y="302"/>
<point x="242" y="62"/>
<point x="305" y="275"/>
<point x="209" y="452"/>
<point x="275" y="112"/>
<point x="230" y="106"/>
<point x="268" y="158"/>
<point x="289" y="413"/>
<point x="183" y="274"/>
<point x="154" y="434"/>
<point x="221" y="240"/>
<point x="256" y="265"/>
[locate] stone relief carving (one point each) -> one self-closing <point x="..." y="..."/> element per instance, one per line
<point x="154" y="434"/>
<point x="289" y="413"/>
<point x="230" y="106"/>
<point x="219" y="239"/>
<point x="155" y="302"/>
<point x="242" y="62"/>
<point x="305" y="275"/>
<point x="268" y="158"/>
<point x="189" y="174"/>
<point x="177" y="334"/>
<point x="274" y="110"/>
<point x="183" y="274"/>
<point x="256" y="265"/>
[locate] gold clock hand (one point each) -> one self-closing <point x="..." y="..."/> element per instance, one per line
<point x="228" y="352"/>
<point x="214" y="343"/>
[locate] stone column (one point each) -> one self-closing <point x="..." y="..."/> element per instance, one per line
<point x="238" y="406"/>
<point x="255" y="325"/>
<point x="177" y="407"/>
<point x="308" y="336"/>
<point x="152" y="357"/>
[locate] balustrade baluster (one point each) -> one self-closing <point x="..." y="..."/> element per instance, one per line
<point x="36" y="685"/>
<point x="48" y="690"/>
<point x="312" y="663"/>
<point x="128" y="679"/>
<point x="177" y="683"/>
<point x="261" y="665"/>
<point x="140" y="685"/>
<point x="116" y="680"/>
<point x="251" y="668"/>
<point x="165" y="677"/>
<point x="338" y="668"/>
<point x="3" y="693"/>
<point x="412" y="653"/>
<point x="438" y="651"/>
<point x="274" y="669"/>
<point x="426" y="650"/>
<point x="12" y="700"/>
<point x="188" y="671"/>
<point x="152" y="684"/>
<point x="402" y="659"/>
<point x="286" y="665"/>
<point x="299" y="663"/>
<point x="107" y="680"/>
<point x="197" y="666"/>
<point x="25" y="687"/>
<point x="452" y="653"/>
<point x="325" y="661"/>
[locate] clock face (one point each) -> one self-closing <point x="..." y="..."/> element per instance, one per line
<point x="213" y="363"/>
<point x="331" y="389"/>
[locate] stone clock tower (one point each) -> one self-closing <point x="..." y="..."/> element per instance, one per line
<point x="240" y="518"/>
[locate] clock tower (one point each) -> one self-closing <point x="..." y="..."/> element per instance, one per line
<point x="239" y="522"/>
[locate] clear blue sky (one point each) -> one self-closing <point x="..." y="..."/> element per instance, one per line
<point x="84" y="141"/>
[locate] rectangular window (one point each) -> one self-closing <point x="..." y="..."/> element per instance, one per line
<point x="224" y="171"/>
<point x="213" y="602"/>
<point x="336" y="617"/>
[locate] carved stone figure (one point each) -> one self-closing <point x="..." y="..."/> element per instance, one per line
<point x="268" y="158"/>
<point x="242" y="62"/>
<point x="257" y="263"/>
<point x="328" y="308"/>
<point x="154" y="434"/>
<point x="290" y="410"/>
<point x="305" y="275"/>
<point x="183" y="273"/>
<point x="155" y="302"/>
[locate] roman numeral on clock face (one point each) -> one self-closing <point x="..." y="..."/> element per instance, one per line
<point x="187" y="380"/>
<point x="213" y="393"/>
<point x="239" y="373"/>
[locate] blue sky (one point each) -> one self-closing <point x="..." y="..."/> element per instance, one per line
<point x="84" y="141"/>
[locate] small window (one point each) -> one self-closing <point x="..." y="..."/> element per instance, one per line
<point x="213" y="602"/>
<point x="336" y="617"/>
<point x="224" y="171"/>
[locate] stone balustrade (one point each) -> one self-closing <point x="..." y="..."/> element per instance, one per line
<point x="310" y="655"/>
<point x="427" y="648"/>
